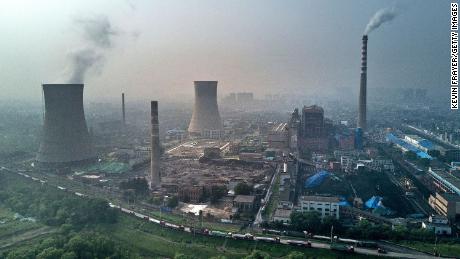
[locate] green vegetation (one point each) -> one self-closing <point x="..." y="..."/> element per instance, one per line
<point x="109" y="167"/>
<point x="138" y="184"/>
<point x="449" y="249"/>
<point x="274" y="199"/>
<point x="243" y="189"/>
<point x="87" y="228"/>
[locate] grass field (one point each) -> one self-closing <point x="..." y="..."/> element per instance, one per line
<point x="153" y="241"/>
<point x="274" y="199"/>
<point x="448" y="250"/>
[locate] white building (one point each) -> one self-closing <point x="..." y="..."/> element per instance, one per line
<point x="325" y="206"/>
<point x="439" y="224"/>
<point x="282" y="215"/>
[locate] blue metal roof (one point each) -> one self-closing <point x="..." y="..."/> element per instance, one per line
<point x="392" y="138"/>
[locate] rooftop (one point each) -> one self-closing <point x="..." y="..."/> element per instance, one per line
<point x="320" y="198"/>
<point x="244" y="198"/>
<point x="282" y="213"/>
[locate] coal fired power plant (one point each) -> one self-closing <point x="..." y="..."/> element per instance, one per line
<point x="155" y="178"/>
<point x="205" y="112"/>
<point x="65" y="137"/>
<point x="362" y="106"/>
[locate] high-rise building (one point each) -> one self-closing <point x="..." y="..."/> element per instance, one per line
<point x="314" y="134"/>
<point x="313" y="122"/>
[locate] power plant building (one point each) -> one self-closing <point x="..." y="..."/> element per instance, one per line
<point x="205" y="117"/>
<point x="65" y="138"/>
<point x="313" y="131"/>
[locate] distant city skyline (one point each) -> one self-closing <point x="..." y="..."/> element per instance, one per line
<point x="158" y="48"/>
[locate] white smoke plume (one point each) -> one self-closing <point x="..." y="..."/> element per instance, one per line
<point x="98" y="36"/>
<point x="82" y="61"/>
<point x="380" y="17"/>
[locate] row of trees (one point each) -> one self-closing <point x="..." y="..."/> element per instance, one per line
<point x="77" y="246"/>
<point x="51" y="206"/>
<point x="311" y="222"/>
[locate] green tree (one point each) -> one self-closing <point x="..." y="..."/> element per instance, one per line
<point x="69" y="255"/>
<point x="296" y="255"/>
<point x="217" y="192"/>
<point x="50" y="253"/>
<point x="425" y="162"/>
<point x="182" y="256"/>
<point x="411" y="155"/>
<point x="434" y="153"/>
<point x="243" y="189"/>
<point x="309" y="221"/>
<point x="173" y="202"/>
<point x="258" y="255"/>
<point x="329" y="222"/>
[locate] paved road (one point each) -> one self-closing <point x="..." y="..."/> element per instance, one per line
<point x="258" y="218"/>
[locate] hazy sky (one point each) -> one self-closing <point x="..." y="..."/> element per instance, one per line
<point x="160" y="47"/>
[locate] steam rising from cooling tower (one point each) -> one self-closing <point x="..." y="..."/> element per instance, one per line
<point x="205" y="112"/>
<point x="65" y="137"/>
<point x="155" y="178"/>
<point x="98" y="34"/>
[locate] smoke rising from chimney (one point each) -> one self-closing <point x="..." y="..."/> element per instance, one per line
<point x="380" y="17"/>
<point x="98" y="34"/>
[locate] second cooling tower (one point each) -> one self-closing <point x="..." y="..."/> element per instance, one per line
<point x="205" y="112"/>
<point x="65" y="139"/>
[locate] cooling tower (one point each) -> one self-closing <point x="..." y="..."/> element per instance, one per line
<point x="65" y="138"/>
<point x="362" y="108"/>
<point x="155" y="179"/>
<point x="205" y="112"/>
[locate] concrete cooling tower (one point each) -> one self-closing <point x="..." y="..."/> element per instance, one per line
<point x="65" y="138"/>
<point x="205" y="112"/>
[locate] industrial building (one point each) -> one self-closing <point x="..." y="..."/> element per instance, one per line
<point x="65" y="139"/>
<point x="406" y="146"/>
<point x="326" y="206"/>
<point x="445" y="181"/>
<point x="313" y="131"/>
<point x="278" y="136"/>
<point x="446" y="204"/>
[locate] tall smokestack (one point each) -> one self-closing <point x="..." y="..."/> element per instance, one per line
<point x="65" y="138"/>
<point x="205" y="112"/>
<point x="123" y="108"/>
<point x="155" y="179"/>
<point x="362" y="121"/>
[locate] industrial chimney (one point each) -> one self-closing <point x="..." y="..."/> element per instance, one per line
<point x="205" y="112"/>
<point x="155" y="179"/>
<point x="362" y="109"/>
<point x="65" y="138"/>
<point x="123" y="108"/>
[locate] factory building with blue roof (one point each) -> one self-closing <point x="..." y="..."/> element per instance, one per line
<point x="407" y="145"/>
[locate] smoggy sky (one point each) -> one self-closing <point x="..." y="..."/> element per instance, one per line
<point x="158" y="48"/>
